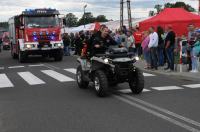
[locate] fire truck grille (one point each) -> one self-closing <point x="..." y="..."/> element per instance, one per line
<point x="44" y="44"/>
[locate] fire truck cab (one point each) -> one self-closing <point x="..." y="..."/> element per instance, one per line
<point x="36" y="32"/>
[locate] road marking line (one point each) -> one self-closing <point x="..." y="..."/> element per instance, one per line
<point x="30" y="78"/>
<point x="51" y="67"/>
<point x="127" y="91"/>
<point x="13" y="67"/>
<point x="5" y="82"/>
<point x="58" y="76"/>
<point x="72" y="70"/>
<point x="2" y="68"/>
<point x="148" y="75"/>
<point x="153" y="112"/>
<point x="167" y="88"/>
<point x="192" y="86"/>
<point x="36" y="65"/>
<point x="190" y="121"/>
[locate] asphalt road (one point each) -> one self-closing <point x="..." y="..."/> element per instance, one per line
<point x="42" y="96"/>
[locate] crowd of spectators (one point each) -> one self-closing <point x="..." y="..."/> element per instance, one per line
<point x="158" y="46"/>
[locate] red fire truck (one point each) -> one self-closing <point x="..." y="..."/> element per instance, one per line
<point x="36" y="32"/>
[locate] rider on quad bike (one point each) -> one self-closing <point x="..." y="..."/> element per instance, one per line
<point x="105" y="66"/>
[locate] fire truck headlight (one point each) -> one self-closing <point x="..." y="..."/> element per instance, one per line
<point x="28" y="46"/>
<point x="59" y="45"/>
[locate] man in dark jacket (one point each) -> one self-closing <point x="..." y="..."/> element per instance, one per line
<point x="169" y="47"/>
<point x="66" y="42"/>
<point x="101" y="42"/>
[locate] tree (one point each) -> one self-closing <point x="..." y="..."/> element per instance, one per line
<point x="4" y="26"/>
<point x="101" y="18"/>
<point x="71" y="20"/>
<point x="86" y="19"/>
<point x="180" y="5"/>
<point x="158" y="8"/>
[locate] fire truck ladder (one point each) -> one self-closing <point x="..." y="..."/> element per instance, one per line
<point x="122" y="13"/>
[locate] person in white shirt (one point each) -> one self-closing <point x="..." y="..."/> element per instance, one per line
<point x="130" y="45"/>
<point x="153" y="44"/>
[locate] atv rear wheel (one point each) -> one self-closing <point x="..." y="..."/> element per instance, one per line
<point x="22" y="57"/>
<point x="136" y="82"/>
<point x="101" y="83"/>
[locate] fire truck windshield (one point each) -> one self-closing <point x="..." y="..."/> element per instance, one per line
<point x="41" y="22"/>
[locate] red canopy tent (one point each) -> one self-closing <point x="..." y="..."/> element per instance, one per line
<point x="178" y="18"/>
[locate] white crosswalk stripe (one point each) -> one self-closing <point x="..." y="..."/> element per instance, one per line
<point x="192" y="86"/>
<point x="72" y="70"/>
<point x="167" y="88"/>
<point x="14" y="67"/>
<point x="58" y="76"/>
<point x="5" y="82"/>
<point x="127" y="91"/>
<point x="30" y="78"/>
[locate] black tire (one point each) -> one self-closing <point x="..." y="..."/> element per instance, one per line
<point x="59" y="56"/>
<point x="22" y="57"/>
<point x="44" y="56"/>
<point x="101" y="84"/>
<point x="113" y="84"/>
<point x="136" y="82"/>
<point x="79" y="77"/>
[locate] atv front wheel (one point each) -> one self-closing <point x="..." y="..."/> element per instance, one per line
<point x="79" y="77"/>
<point x="101" y="83"/>
<point x="136" y="82"/>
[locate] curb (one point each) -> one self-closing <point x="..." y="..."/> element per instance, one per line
<point x="174" y="74"/>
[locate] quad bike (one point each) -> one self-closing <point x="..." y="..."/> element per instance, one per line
<point x="109" y="69"/>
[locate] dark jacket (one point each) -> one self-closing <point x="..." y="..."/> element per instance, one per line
<point x="103" y="42"/>
<point x="66" y="40"/>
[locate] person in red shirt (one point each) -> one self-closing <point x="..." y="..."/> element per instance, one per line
<point x="138" y="40"/>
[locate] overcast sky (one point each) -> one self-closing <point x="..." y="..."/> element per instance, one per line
<point x="110" y="8"/>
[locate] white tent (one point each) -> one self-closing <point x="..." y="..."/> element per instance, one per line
<point x="88" y="27"/>
<point x="112" y="25"/>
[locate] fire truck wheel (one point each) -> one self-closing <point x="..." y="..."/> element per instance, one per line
<point x="58" y="56"/>
<point x="21" y="57"/>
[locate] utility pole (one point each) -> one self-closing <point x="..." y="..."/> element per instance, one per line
<point x="199" y="8"/>
<point x="84" y="13"/>
<point x="122" y="13"/>
<point x="129" y="14"/>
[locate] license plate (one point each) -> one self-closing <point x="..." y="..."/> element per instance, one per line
<point x="45" y="46"/>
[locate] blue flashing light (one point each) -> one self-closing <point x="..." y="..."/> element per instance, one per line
<point x="47" y="33"/>
<point x="40" y="33"/>
<point x="35" y="38"/>
<point x="53" y="37"/>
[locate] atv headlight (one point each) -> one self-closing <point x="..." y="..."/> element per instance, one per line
<point x="137" y="58"/>
<point x="106" y="60"/>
